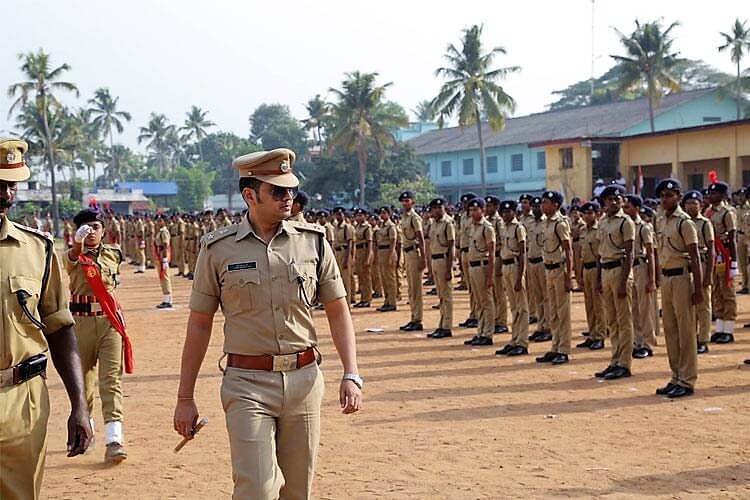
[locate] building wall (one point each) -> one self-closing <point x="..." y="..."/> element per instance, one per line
<point x="688" y="114"/>
<point x="574" y="181"/>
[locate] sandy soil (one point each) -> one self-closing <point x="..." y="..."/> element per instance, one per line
<point x="440" y="420"/>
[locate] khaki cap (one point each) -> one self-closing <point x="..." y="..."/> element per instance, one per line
<point x="273" y="167"/>
<point x="13" y="167"/>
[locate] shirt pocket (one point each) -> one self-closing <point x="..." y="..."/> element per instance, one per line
<point x="303" y="282"/>
<point x="31" y="287"/>
<point x="239" y="290"/>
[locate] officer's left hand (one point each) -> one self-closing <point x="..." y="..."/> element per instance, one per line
<point x="79" y="432"/>
<point x="422" y="263"/>
<point x="350" y="397"/>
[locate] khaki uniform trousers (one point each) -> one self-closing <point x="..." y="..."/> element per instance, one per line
<point x="364" y="275"/>
<point x="445" y="291"/>
<point x="500" y="296"/>
<point x="538" y="294"/>
<point x="99" y="343"/>
<point x="192" y="259"/>
<point x="559" y="305"/>
<point x="467" y="279"/>
<point x="377" y="283"/>
<point x="400" y="275"/>
<point x="485" y="300"/>
<point x="177" y="249"/>
<point x="273" y="422"/>
<point x="24" y="411"/>
<point x="346" y="274"/>
<point x="414" y="283"/>
<point x="150" y="258"/>
<point x="723" y="297"/>
<point x="644" y="329"/>
<point x="594" y="308"/>
<point x="678" y="316"/>
<point x="387" y="270"/>
<point x="165" y="282"/>
<point x="703" y="313"/>
<point x="519" y="305"/>
<point x="618" y="313"/>
<point x="142" y="256"/>
<point x="742" y="243"/>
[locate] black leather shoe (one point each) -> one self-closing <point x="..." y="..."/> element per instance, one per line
<point x="501" y="328"/>
<point x="586" y="334"/>
<point x="357" y="305"/>
<point x="679" y="391"/>
<point x="465" y="324"/>
<point x="164" y="305"/>
<point x="436" y="306"/>
<point x="702" y="348"/>
<point x="377" y="295"/>
<point x="365" y="304"/>
<point x="413" y="327"/>
<point x="585" y="344"/>
<point x="559" y="359"/>
<point x="428" y="283"/>
<point x="743" y="291"/>
<point x="725" y="338"/>
<point x="432" y="292"/>
<point x="471" y="340"/>
<point x="548" y="356"/>
<point x="715" y="336"/>
<point x="617" y="372"/>
<point x="533" y="320"/>
<point x="471" y="323"/>
<point x="662" y="391"/>
<point x="747" y="361"/>
<point x="461" y="287"/>
<point x="602" y="373"/>
<point x="482" y="341"/>
<point x="519" y="350"/>
<point x="505" y="350"/>
<point x="640" y="353"/>
<point x="404" y="327"/>
<point x="544" y="337"/>
<point x="746" y="325"/>
<point x="534" y="335"/>
<point x="441" y="333"/>
<point x="597" y="344"/>
<point x="386" y="308"/>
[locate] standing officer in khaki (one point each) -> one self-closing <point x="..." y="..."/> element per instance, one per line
<point x="482" y="272"/>
<point x="535" y="279"/>
<point x="691" y="203"/>
<point x="615" y="280"/>
<point x="98" y="341"/>
<point x="150" y="237"/>
<point x="590" y="274"/>
<point x="139" y="244"/>
<point x="377" y="285"/>
<point x="464" y="237"/>
<point x="743" y="238"/>
<point x="644" y="280"/>
<point x="723" y="296"/>
<point x="414" y="255"/>
<point x="442" y="237"/>
<point x="513" y="259"/>
<point x="681" y="289"/>
<point x="558" y="267"/>
<point x="491" y="212"/>
<point x="363" y="246"/>
<point x="385" y="240"/>
<point x="161" y="259"/>
<point x="265" y="273"/>
<point x="343" y="235"/>
<point x="34" y="318"/>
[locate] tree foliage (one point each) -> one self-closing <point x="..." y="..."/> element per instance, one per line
<point x="193" y="186"/>
<point x="273" y="126"/>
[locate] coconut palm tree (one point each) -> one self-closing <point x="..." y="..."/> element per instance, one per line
<point x="738" y="42"/>
<point x="318" y="111"/>
<point x="195" y="127"/>
<point x="423" y="111"/>
<point x="472" y="91"/>
<point x="648" y="62"/>
<point x="157" y="133"/>
<point x="106" y="117"/>
<point x="42" y="82"/>
<point x="362" y="118"/>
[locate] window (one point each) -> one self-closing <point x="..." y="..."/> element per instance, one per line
<point x="711" y="119"/>
<point x="516" y="162"/>
<point x="566" y="157"/>
<point x="746" y="177"/>
<point x="541" y="160"/>
<point x="492" y="164"/>
<point x="445" y="169"/>
<point x="695" y="181"/>
<point x="469" y="166"/>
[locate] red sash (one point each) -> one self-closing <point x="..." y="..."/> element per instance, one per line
<point x="160" y="266"/>
<point x="110" y="306"/>
<point x="723" y="251"/>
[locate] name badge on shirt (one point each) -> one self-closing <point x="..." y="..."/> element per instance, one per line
<point x="239" y="266"/>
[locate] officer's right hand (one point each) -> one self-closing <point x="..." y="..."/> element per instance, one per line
<point x="80" y="433"/>
<point x="185" y="417"/>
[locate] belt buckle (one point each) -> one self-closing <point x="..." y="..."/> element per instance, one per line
<point x="284" y="362"/>
<point x="96" y="307"/>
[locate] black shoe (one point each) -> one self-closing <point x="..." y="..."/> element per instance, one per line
<point x="586" y="344"/>
<point x="663" y="391"/>
<point x="441" y="333"/>
<point x="597" y="344"/>
<point x="482" y="341"/>
<point x="432" y="292"/>
<point x="436" y="306"/>
<point x="469" y="323"/>
<point x="386" y="308"/>
<point x="519" y="350"/>
<point x="428" y="283"/>
<point x="404" y="327"/>
<point x="461" y="287"/>
<point x="747" y="361"/>
<point x="471" y="340"/>
<point x="725" y="338"/>
<point x="533" y="320"/>
<point x="139" y="272"/>
<point x="549" y="356"/>
<point x="534" y="335"/>
<point x="640" y="353"/>
<point x="357" y="305"/>
<point x="377" y="295"/>
<point x="702" y="348"/>
<point x="505" y="350"/>
<point x="616" y="372"/>
<point x="679" y="391"/>
<point x="364" y="304"/>
<point x="746" y="325"/>
<point x="544" y="337"/>
<point x="586" y="334"/>
<point x="743" y="291"/>
<point x="413" y="327"/>
<point x="602" y="373"/>
<point x="715" y="336"/>
<point x="190" y="276"/>
<point x="559" y="359"/>
<point x="501" y="328"/>
<point x="164" y="305"/>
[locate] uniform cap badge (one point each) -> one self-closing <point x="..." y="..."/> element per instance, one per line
<point x="285" y="166"/>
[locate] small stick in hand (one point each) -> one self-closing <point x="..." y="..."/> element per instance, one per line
<point x="198" y="426"/>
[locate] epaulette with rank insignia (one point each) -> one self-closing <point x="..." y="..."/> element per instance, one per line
<point x="46" y="236"/>
<point x="306" y="226"/>
<point x="214" y="236"/>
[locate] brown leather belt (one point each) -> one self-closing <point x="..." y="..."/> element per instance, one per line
<point x="270" y="363"/>
<point x="26" y="370"/>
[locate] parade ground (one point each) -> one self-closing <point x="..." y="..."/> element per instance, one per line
<point x="440" y="420"/>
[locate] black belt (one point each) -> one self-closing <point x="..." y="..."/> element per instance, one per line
<point x="576" y="240"/>
<point x="508" y="262"/>
<point x="638" y="261"/>
<point x="589" y="265"/>
<point x="477" y="263"/>
<point x="497" y="253"/>
<point x="338" y="249"/>
<point x="677" y="271"/>
<point x="611" y="264"/>
<point x="535" y="260"/>
<point x="23" y="371"/>
<point x="439" y="255"/>
<point x="360" y="245"/>
<point x="409" y="249"/>
<point x="551" y="267"/>
<point x="383" y="247"/>
<point x="465" y="249"/>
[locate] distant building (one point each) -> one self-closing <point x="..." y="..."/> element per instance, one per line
<point x="125" y="201"/>
<point x="414" y="129"/>
<point x="518" y="158"/>
<point x="162" y="193"/>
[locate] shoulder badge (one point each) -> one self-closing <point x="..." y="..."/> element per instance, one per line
<point x="214" y="236"/>
<point x="30" y="230"/>
<point x="306" y="226"/>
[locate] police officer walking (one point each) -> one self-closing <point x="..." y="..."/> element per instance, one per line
<point x="266" y="273"/>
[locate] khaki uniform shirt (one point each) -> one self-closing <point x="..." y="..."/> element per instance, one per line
<point x="498" y="225"/>
<point x="481" y="235"/>
<point x="513" y="238"/>
<point x="644" y="236"/>
<point x="411" y="224"/>
<point x="300" y="217"/>
<point x="330" y="232"/>
<point x="705" y="231"/>
<point x="362" y="233"/>
<point x="590" y="243"/>
<point x="675" y="233"/>
<point x="614" y="231"/>
<point x="535" y="237"/>
<point x="556" y="231"/>
<point x="527" y="219"/>
<point x="23" y="265"/>
<point x="342" y="235"/>
<point x="107" y="258"/>
<point x="442" y="233"/>
<point x="724" y="219"/>
<point x="140" y="230"/>
<point x="386" y="234"/>
<point x="745" y="222"/>
<point x="260" y="286"/>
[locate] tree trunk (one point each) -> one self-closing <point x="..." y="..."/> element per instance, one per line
<point x="362" y="157"/>
<point x="112" y="157"/>
<point x="200" y="150"/>
<point x="51" y="166"/>
<point x="739" y="94"/>
<point x="481" y="156"/>
<point x="651" y="103"/>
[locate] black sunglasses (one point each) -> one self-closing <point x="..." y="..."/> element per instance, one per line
<point x="278" y="193"/>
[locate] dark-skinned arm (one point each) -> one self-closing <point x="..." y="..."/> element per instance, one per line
<point x="695" y="265"/>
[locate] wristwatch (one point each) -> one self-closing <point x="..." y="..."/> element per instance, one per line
<point x="358" y="381"/>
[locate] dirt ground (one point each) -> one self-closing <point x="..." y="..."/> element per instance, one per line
<point x="441" y="420"/>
